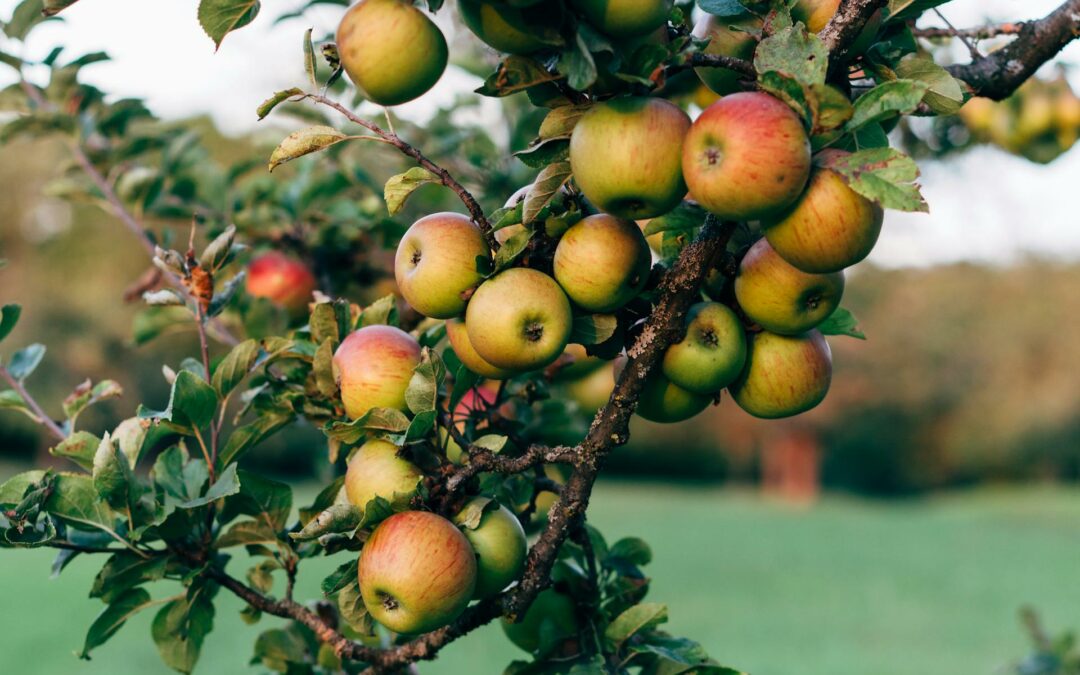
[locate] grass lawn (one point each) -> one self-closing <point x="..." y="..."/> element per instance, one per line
<point x="847" y="588"/>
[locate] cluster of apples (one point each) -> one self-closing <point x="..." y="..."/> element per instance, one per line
<point x="1039" y="122"/>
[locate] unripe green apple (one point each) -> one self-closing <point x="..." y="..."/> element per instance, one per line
<point x="782" y="298"/>
<point x="551" y="614"/>
<point x="592" y="391"/>
<point x="507" y="28"/>
<point x="417" y="572"/>
<point x="602" y="262"/>
<point x="746" y="157"/>
<point x="625" y="18"/>
<point x="520" y="319"/>
<point x="665" y="402"/>
<point x="712" y="353"/>
<point x="500" y="545"/>
<point x="373" y="366"/>
<point x="286" y="282"/>
<point x="436" y="263"/>
<point x="391" y="50"/>
<point x="626" y="156"/>
<point x="829" y="228"/>
<point x="784" y="375"/>
<point x="576" y="363"/>
<point x="728" y="36"/>
<point x="459" y="340"/>
<point x="376" y="470"/>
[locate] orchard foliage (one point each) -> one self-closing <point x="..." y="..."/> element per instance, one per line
<point x="533" y="289"/>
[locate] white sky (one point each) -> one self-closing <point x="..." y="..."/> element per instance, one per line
<point x="985" y="205"/>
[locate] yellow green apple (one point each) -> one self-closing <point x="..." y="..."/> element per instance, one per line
<point x="665" y="402"/>
<point x="781" y="298"/>
<point x="376" y="470"/>
<point x="626" y="156"/>
<point x="391" y="50"/>
<point x="458" y="335"/>
<point x="602" y="262"/>
<point x="550" y="619"/>
<point x="509" y="29"/>
<point x="520" y="319"/>
<point x="499" y="541"/>
<point x="625" y="18"/>
<point x="784" y="375"/>
<point x="436" y="264"/>
<point x="711" y="354"/>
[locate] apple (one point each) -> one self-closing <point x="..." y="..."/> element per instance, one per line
<point x="602" y="262"/>
<point x="625" y="18"/>
<point x="728" y="36"/>
<point x="507" y="28"/>
<point x="592" y="391"/>
<point x="575" y="363"/>
<point x="554" y="226"/>
<point x="436" y="263"/>
<point x="391" y="50"/>
<point x="665" y="402"/>
<point x="376" y="470"/>
<point x="286" y="282"/>
<point x="829" y="228"/>
<point x="712" y="353"/>
<point x="784" y="375"/>
<point x="746" y="157"/>
<point x="417" y="572"/>
<point x="626" y="156"/>
<point x="550" y="619"/>
<point x="782" y="298"/>
<point x="499" y="542"/>
<point x="373" y="366"/>
<point x="520" y="319"/>
<point x="458" y="335"/>
<point x="655" y="241"/>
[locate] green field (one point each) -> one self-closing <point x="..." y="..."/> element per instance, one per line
<point x="846" y="588"/>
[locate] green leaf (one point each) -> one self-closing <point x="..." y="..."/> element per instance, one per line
<point x="154" y="321"/>
<point x="220" y="17"/>
<point x="381" y="312"/>
<point x="25" y="361"/>
<point x="11" y="400"/>
<point x="491" y="442"/>
<point x="323" y="368"/>
<point x="795" y="53"/>
<point x="304" y="142"/>
<point x="85" y="396"/>
<point x="267" y="501"/>
<point x="592" y="329"/>
<point x="399" y="187"/>
<point x="112" y="475"/>
<point x="329" y="321"/>
<point x="245" y="533"/>
<point x="944" y="95"/>
<point x="229" y="289"/>
<point x="686" y="216"/>
<point x="344" y="575"/>
<point x="577" y="63"/>
<point x="113" y="617"/>
<point x="422" y="394"/>
<point x="327" y="496"/>
<point x="180" y="628"/>
<point x="9" y="316"/>
<point x="885" y="101"/>
<point x="421" y="426"/>
<point x="226" y="484"/>
<point x="632" y="550"/>
<point x="232" y="369"/>
<point x="54" y="7"/>
<point x="547" y="184"/>
<point x="279" y="648"/>
<point x="248" y="436"/>
<point x="337" y="519"/>
<point x="906" y="9"/>
<point x="123" y="571"/>
<point x="79" y="447"/>
<point x="24" y="17"/>
<point x="179" y="477"/>
<point x="841" y="322"/>
<point x="512" y="249"/>
<point x="634" y="620"/>
<point x="883" y="175"/>
<point x="192" y="403"/>
<point x="267" y="106"/>
<point x="388" y="420"/>
<point x="543" y="153"/>
<point x="217" y="251"/>
<point x="14" y="489"/>
<point x="352" y="609"/>
<point x="560" y="122"/>
<point x="75" y="501"/>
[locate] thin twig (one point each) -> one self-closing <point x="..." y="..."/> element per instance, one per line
<point x="978" y="33"/>
<point x="475" y="210"/>
<point x="975" y="54"/>
<point x="43" y="417"/>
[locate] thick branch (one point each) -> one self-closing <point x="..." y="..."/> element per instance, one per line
<point x="850" y="18"/>
<point x="978" y="33"/>
<point x="1000" y="73"/>
<point x="475" y="210"/>
<point x="42" y="416"/>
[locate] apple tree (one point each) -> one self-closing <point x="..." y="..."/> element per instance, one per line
<point x="675" y="207"/>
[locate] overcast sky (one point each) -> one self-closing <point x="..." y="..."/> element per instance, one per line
<point x="985" y="205"/>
